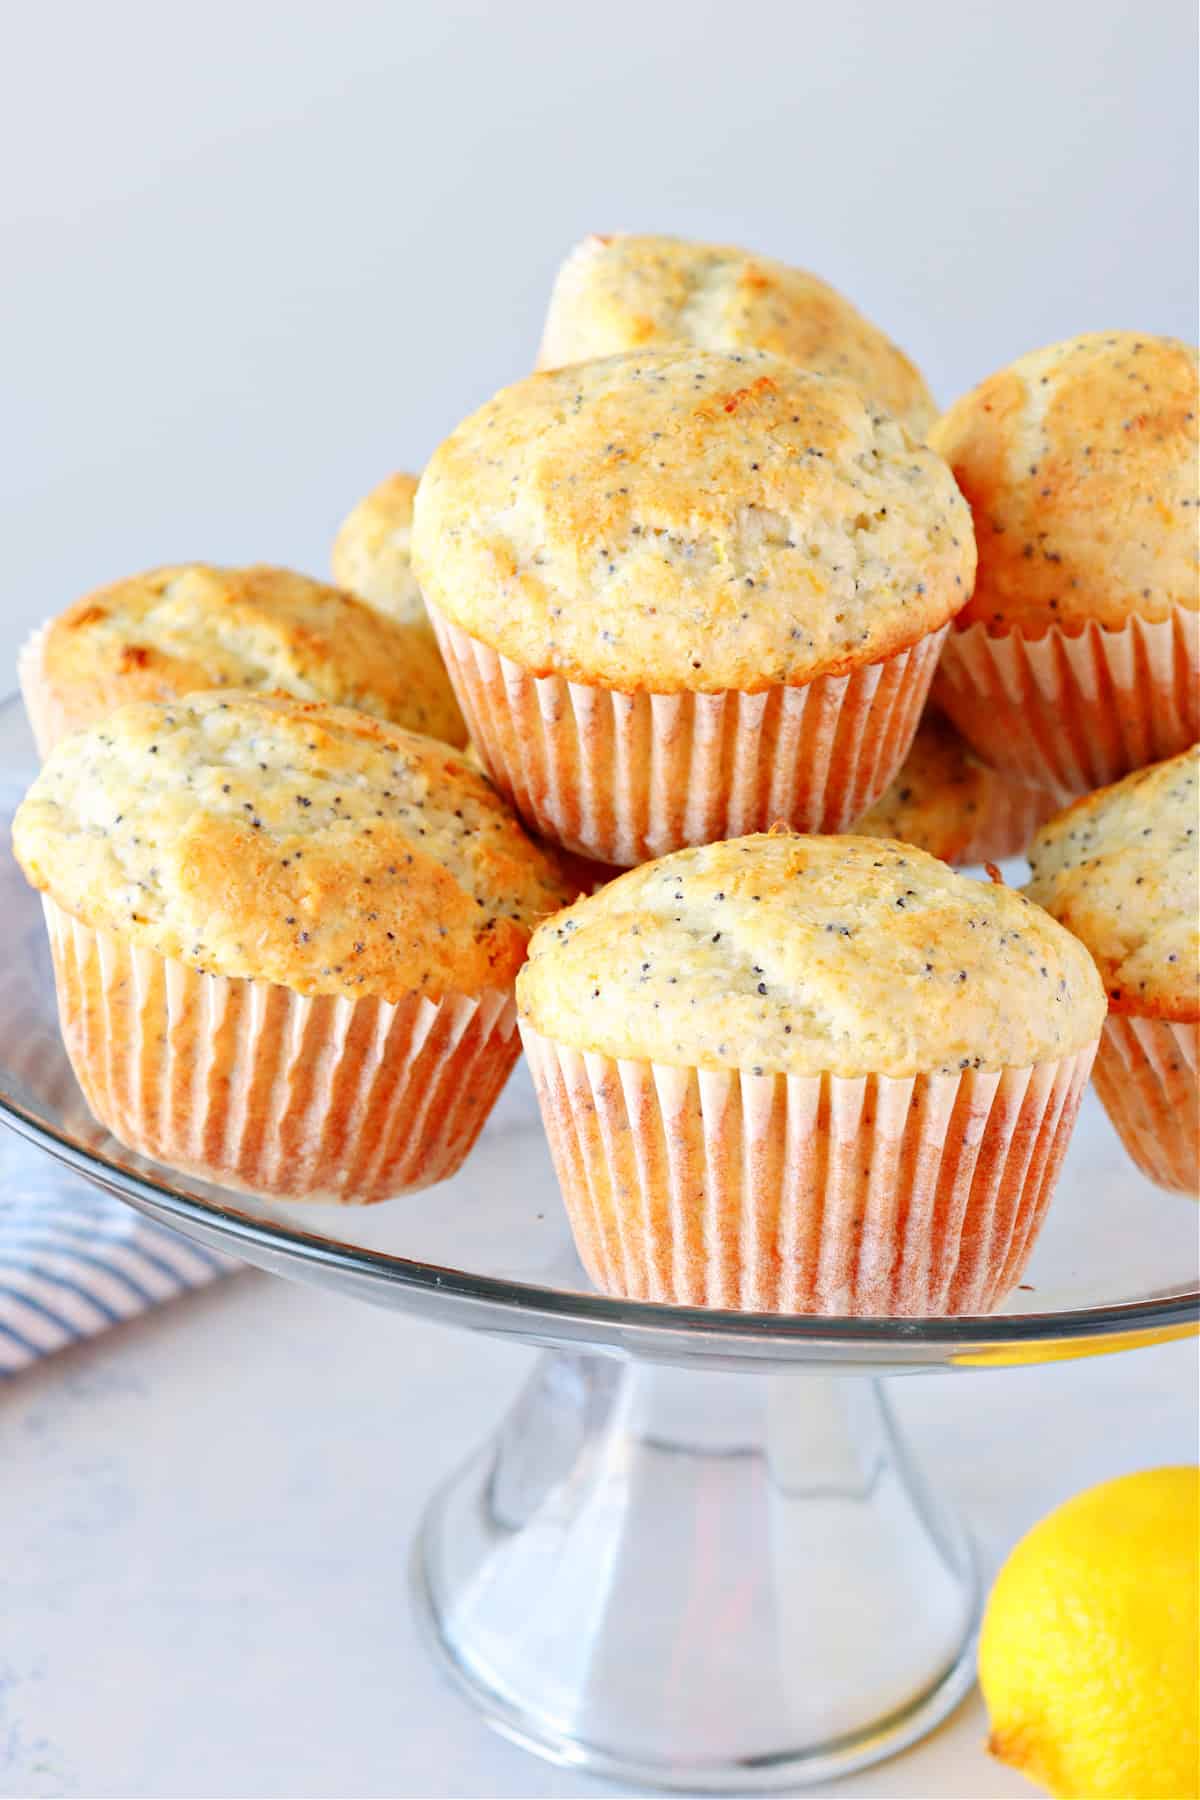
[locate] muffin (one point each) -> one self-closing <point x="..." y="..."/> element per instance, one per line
<point x="683" y="595"/>
<point x="176" y="630"/>
<point x="799" y="1074"/>
<point x="284" y="939"/>
<point x="1120" y="869"/>
<point x="372" y="557"/>
<point x="1076" y="659"/>
<point x="372" y="552"/>
<point x="623" y="292"/>
<point x="947" y="801"/>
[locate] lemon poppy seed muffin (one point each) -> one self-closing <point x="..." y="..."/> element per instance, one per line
<point x="625" y="292"/>
<point x="688" y="520"/>
<point x="947" y="800"/>
<point x="1076" y="659"/>
<point x="650" y="576"/>
<point x="180" y="629"/>
<point x="1121" y="869"/>
<point x="372" y="552"/>
<point x="372" y="557"/>
<point x="257" y="837"/>
<point x="285" y="937"/>
<point x="1080" y="464"/>
<point x="787" y="954"/>
<point x="808" y="1073"/>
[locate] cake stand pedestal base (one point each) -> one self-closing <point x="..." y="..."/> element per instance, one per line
<point x="699" y="1580"/>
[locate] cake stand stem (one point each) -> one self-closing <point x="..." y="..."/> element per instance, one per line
<point x="700" y="1580"/>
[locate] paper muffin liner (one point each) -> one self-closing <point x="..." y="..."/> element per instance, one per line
<point x="40" y="710"/>
<point x="1146" y="1077"/>
<point x="626" y="777"/>
<point x="804" y="1194"/>
<point x="253" y="1086"/>
<point x="1075" y="712"/>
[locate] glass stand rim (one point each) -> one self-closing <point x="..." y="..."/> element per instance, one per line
<point x="544" y="1316"/>
<point x="887" y="1737"/>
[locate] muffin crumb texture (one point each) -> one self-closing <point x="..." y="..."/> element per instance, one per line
<point x="305" y="845"/>
<point x="946" y="800"/>
<point x="1080" y="464"/>
<point x="690" y="520"/>
<point x="185" y="628"/>
<point x="803" y="955"/>
<point x="626" y="292"/>
<point x="372" y="553"/>
<point x="1121" y="869"/>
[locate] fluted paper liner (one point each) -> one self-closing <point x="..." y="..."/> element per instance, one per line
<point x="253" y="1086"/>
<point x="34" y="695"/>
<point x="625" y="777"/>
<point x="804" y="1194"/>
<point x="1075" y="712"/>
<point x="1146" y="1076"/>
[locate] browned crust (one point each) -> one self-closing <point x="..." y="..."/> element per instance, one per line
<point x="1080" y="463"/>
<point x="726" y="523"/>
<point x="419" y="880"/>
<point x="100" y="653"/>
<point x="1176" y="1011"/>
<point x="621" y="291"/>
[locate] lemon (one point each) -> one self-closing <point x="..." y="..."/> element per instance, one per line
<point x="1090" y="1653"/>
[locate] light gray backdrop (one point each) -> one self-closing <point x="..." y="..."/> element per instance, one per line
<point x="257" y="254"/>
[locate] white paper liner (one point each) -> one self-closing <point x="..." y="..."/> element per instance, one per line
<point x="1075" y="712"/>
<point x="625" y="777"/>
<point x="804" y="1194"/>
<point x="36" y="700"/>
<point x="256" y="1087"/>
<point x="1146" y="1076"/>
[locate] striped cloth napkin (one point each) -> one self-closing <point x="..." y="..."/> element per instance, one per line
<point x="73" y="1260"/>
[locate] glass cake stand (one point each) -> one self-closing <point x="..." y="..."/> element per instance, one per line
<point x="696" y="1554"/>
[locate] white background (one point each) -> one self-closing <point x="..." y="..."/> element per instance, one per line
<point x="255" y="256"/>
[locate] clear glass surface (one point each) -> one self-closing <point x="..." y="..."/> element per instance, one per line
<point x="1116" y="1263"/>
<point x="698" y="1579"/>
<point x="694" y="1555"/>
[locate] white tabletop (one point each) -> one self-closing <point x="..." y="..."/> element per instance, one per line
<point x="206" y="1520"/>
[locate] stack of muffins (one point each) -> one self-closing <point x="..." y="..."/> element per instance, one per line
<point x="688" y="590"/>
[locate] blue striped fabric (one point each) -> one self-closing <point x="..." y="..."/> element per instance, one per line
<point x="74" y="1261"/>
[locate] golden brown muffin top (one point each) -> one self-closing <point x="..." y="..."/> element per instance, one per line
<point x="301" y="844"/>
<point x="1121" y="869"/>
<point x="372" y="553"/>
<point x="1080" y="464"/>
<point x="175" y="630"/>
<point x="802" y="955"/>
<point x="624" y="292"/>
<point x="690" y="520"/>
<point x="947" y="801"/>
